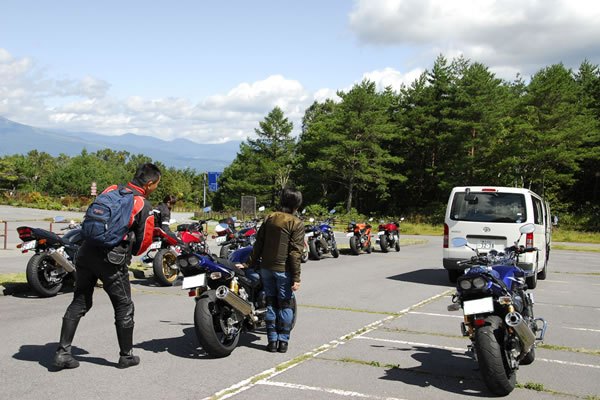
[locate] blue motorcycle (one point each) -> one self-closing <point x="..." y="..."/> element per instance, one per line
<point x="229" y="300"/>
<point x="498" y="313"/>
<point x="321" y="238"/>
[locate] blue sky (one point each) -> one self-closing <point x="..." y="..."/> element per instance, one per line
<point x="210" y="71"/>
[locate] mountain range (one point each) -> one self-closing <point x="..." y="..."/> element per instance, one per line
<point x="17" y="138"/>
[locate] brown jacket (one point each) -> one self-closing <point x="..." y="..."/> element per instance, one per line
<point x="279" y="241"/>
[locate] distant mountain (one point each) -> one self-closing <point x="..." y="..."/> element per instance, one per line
<point x="17" y="138"/>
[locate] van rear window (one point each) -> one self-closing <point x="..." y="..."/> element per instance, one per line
<point x="489" y="207"/>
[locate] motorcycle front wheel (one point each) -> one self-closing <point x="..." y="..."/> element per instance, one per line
<point x="499" y="378"/>
<point x="397" y="245"/>
<point x="209" y="316"/>
<point x="383" y="242"/>
<point x="164" y="273"/>
<point x="42" y="275"/>
<point x="305" y="253"/>
<point x="369" y="249"/>
<point x="335" y="252"/>
<point x="354" y="245"/>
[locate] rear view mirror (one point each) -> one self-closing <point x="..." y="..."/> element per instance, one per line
<point x="261" y="208"/>
<point x="311" y="219"/>
<point x="459" y="242"/>
<point x="59" y="219"/>
<point x="527" y="228"/>
<point x="554" y="220"/>
<point x="332" y="212"/>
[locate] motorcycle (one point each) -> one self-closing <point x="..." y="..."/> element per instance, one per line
<point x="498" y="313"/>
<point x="360" y="237"/>
<point x="53" y="261"/>
<point x="165" y="248"/>
<point x="321" y="239"/>
<point x="229" y="300"/>
<point x="389" y="235"/>
<point x="231" y="239"/>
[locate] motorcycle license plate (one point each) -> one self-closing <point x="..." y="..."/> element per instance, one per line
<point x="350" y="234"/>
<point x="220" y="239"/>
<point x="485" y="244"/>
<point x="380" y="233"/>
<point x="309" y="234"/>
<point x="479" y="306"/>
<point x="28" y="245"/>
<point x="193" y="281"/>
<point x="154" y="245"/>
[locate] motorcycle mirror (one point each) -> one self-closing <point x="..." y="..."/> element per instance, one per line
<point x="402" y="219"/>
<point x="304" y="211"/>
<point x="261" y="208"/>
<point x="311" y="219"/>
<point x="234" y="218"/>
<point x="527" y="228"/>
<point x="59" y="219"/>
<point x="370" y="219"/>
<point x="382" y="221"/>
<point x="172" y="221"/>
<point x="459" y="242"/>
<point x="332" y="212"/>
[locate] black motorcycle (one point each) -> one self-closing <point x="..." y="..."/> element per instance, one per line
<point x="53" y="261"/>
<point x="229" y="300"/>
<point x="498" y="313"/>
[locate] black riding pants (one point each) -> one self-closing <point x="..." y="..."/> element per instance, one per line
<point x="115" y="280"/>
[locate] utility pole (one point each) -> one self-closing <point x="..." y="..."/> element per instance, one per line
<point x="204" y="189"/>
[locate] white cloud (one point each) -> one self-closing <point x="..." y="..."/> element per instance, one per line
<point x="508" y="34"/>
<point x="392" y="77"/>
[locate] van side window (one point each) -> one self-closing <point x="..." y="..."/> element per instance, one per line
<point x="538" y="215"/>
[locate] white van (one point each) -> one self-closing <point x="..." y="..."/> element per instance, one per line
<point x="489" y="217"/>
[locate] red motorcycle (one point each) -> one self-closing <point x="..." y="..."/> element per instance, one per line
<point x="165" y="248"/>
<point x="389" y="235"/>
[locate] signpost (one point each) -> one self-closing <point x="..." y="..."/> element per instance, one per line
<point x="213" y="181"/>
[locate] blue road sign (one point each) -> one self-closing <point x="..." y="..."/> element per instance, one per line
<point x="213" y="181"/>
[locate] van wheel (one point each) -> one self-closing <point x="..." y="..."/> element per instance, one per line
<point x="531" y="281"/>
<point x="542" y="274"/>
<point x="453" y="275"/>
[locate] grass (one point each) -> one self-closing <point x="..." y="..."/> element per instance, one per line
<point x="575" y="248"/>
<point x="16" y="277"/>
<point x="561" y="235"/>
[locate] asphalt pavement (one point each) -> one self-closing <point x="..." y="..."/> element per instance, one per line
<point x="372" y="326"/>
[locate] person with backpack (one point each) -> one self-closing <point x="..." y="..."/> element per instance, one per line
<point x="117" y="225"/>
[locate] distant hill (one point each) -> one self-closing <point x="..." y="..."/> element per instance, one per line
<point x="17" y="138"/>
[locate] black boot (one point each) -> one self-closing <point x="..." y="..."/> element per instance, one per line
<point x="63" y="357"/>
<point x="272" y="347"/>
<point x="283" y="346"/>
<point x="125" y="337"/>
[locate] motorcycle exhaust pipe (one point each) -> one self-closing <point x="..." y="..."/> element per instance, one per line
<point x="62" y="261"/>
<point x="526" y="335"/>
<point x="235" y="301"/>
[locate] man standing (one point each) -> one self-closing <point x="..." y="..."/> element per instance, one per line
<point x="279" y="242"/>
<point x="164" y="209"/>
<point x="110" y="266"/>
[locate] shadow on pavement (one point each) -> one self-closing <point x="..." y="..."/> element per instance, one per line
<point x="187" y="346"/>
<point x="429" y="276"/>
<point x="44" y="354"/>
<point x="446" y="370"/>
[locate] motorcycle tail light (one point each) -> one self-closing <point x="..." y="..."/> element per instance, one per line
<point x="479" y="282"/>
<point x="465" y="284"/>
<point x="504" y="300"/>
<point x="479" y="321"/>
<point x="192" y="293"/>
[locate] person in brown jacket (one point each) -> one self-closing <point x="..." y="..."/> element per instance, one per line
<point x="279" y="242"/>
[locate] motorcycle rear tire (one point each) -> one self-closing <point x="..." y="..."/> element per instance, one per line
<point x="305" y="254"/>
<point x="354" y="245"/>
<point x="383" y="242"/>
<point x="164" y="274"/>
<point x="226" y="250"/>
<point x="369" y="249"/>
<point x="316" y="252"/>
<point x="499" y="378"/>
<point x="208" y="330"/>
<point x="36" y="278"/>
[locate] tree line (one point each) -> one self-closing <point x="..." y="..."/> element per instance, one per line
<point x="389" y="152"/>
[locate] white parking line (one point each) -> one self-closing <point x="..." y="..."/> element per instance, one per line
<point x="581" y="329"/>
<point x="326" y="390"/>
<point x="272" y="372"/>
<point x="436" y="315"/>
<point x="464" y="350"/>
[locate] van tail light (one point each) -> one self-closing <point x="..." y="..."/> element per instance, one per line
<point x="529" y="240"/>
<point x="445" y="236"/>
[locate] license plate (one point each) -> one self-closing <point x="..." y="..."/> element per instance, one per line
<point x="380" y="233"/>
<point x="485" y="244"/>
<point x="350" y="234"/>
<point x="309" y="234"/>
<point x="28" y="245"/>
<point x="154" y="245"/>
<point x="220" y="239"/>
<point x="193" y="281"/>
<point x="478" y="306"/>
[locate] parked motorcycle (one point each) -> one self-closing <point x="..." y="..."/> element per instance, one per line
<point x="231" y="239"/>
<point x="389" y="235"/>
<point x="229" y="300"/>
<point x="321" y="239"/>
<point x="360" y="237"/>
<point x="165" y="248"/>
<point x="53" y="261"/>
<point x="498" y="313"/>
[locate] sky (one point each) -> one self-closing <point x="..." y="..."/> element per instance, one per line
<point x="210" y="71"/>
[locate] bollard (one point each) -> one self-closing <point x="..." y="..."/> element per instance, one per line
<point x="5" y="232"/>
